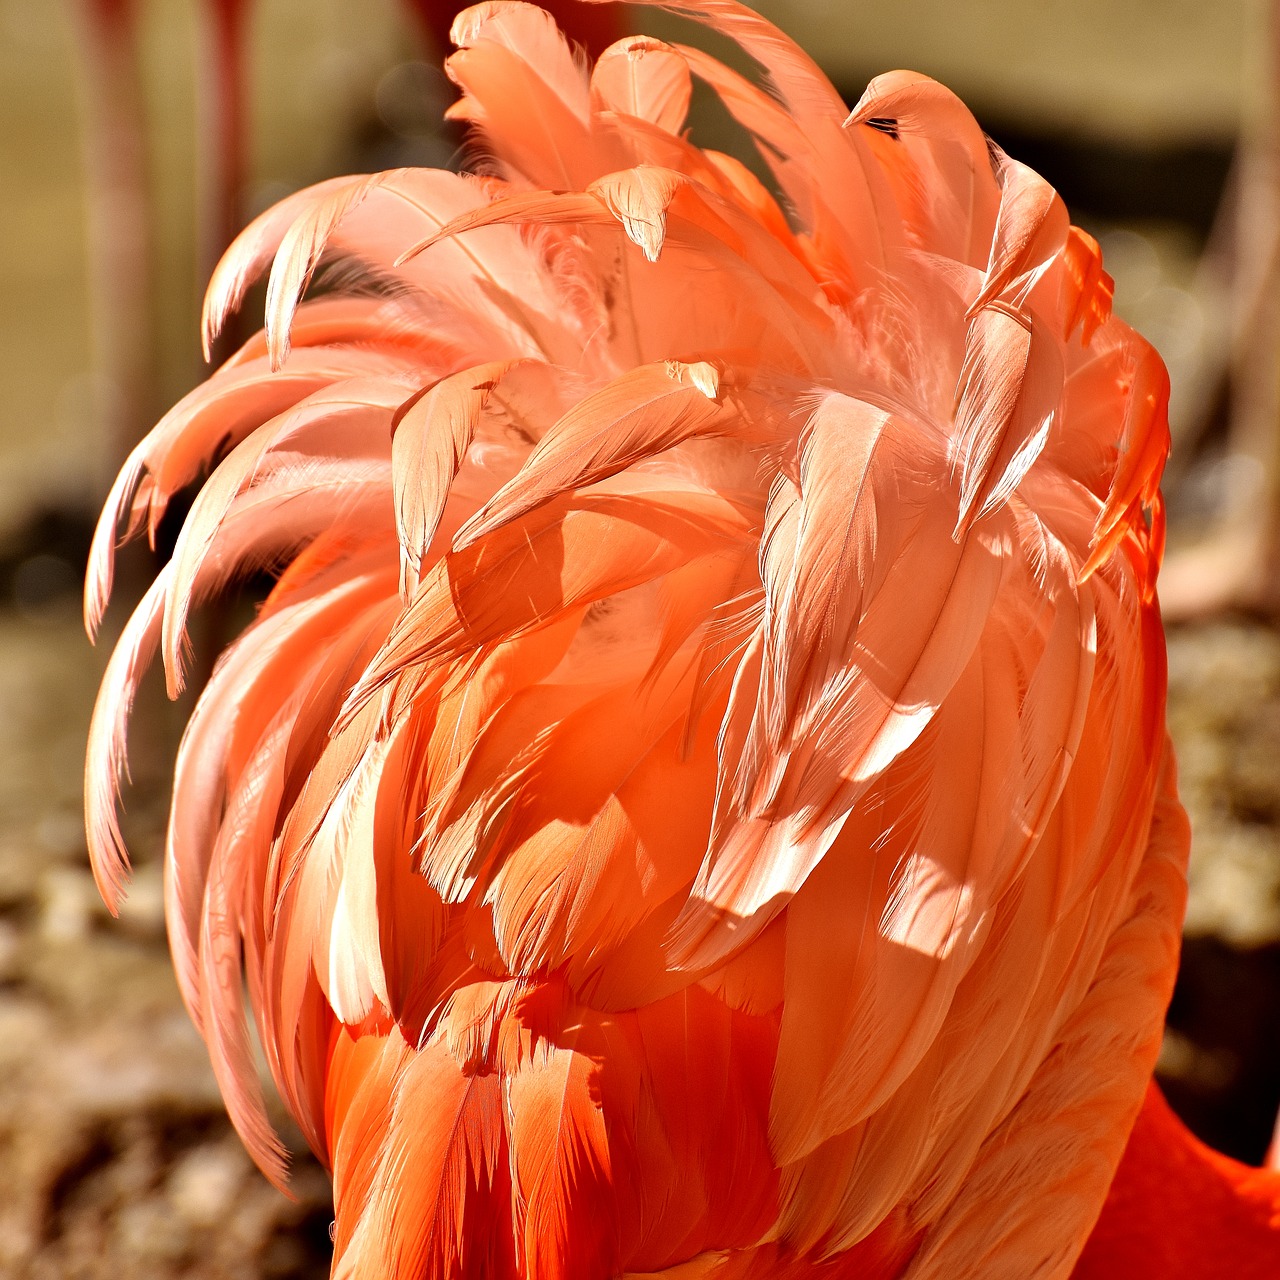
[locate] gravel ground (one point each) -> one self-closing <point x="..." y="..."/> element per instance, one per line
<point x="115" y="1156"/>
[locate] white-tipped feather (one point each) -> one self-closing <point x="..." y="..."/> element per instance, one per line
<point x="253" y="250"/>
<point x="106" y="758"/>
<point x="432" y="436"/>
<point x="644" y="413"/>
<point x="643" y="78"/>
<point x="298" y="256"/>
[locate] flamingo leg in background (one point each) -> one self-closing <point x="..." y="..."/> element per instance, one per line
<point x="1237" y="566"/>
<point x="225" y="132"/>
<point x="120" y="226"/>
<point x="224" y="135"/>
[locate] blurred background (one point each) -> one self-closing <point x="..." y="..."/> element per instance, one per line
<point x="119" y="183"/>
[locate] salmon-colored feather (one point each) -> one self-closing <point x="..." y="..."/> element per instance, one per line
<point x="1031" y="229"/>
<point x="105" y="760"/>
<point x="949" y="153"/>
<point x="297" y="257"/>
<point x="643" y="78"/>
<point x="1009" y="389"/>
<point x="293" y="450"/>
<point x="642" y="414"/>
<point x="696" y="801"/>
<point x="253" y="250"/>
<point x="432" y="436"/>
<point x="516" y="69"/>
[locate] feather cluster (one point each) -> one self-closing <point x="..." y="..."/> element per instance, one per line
<point x="696" y="799"/>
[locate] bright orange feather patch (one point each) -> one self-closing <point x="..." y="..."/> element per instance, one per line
<point x="697" y="800"/>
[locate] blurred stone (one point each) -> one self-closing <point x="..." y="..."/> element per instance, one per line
<point x="147" y="1229"/>
<point x="10" y="950"/>
<point x="205" y="1182"/>
<point x="19" y="874"/>
<point x="142" y="911"/>
<point x="46" y="589"/>
<point x="283" y="1256"/>
<point x="1234" y="882"/>
<point x="24" y="1028"/>
<point x="1203" y="1069"/>
<point x="61" y="832"/>
<point x="67" y="906"/>
<point x="1224" y="715"/>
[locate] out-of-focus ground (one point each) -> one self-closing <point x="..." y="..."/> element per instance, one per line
<point x="1220" y="1063"/>
<point x="116" y="1159"/>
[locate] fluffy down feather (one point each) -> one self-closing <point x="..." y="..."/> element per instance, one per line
<point x="696" y="800"/>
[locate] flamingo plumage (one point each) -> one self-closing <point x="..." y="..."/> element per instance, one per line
<point x="696" y="801"/>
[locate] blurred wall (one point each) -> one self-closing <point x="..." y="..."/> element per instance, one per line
<point x="314" y="66"/>
<point x="1153" y="70"/>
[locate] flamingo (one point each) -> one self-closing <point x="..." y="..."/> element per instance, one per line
<point x="696" y="801"/>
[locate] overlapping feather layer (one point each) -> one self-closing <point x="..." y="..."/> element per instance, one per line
<point x="697" y="795"/>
